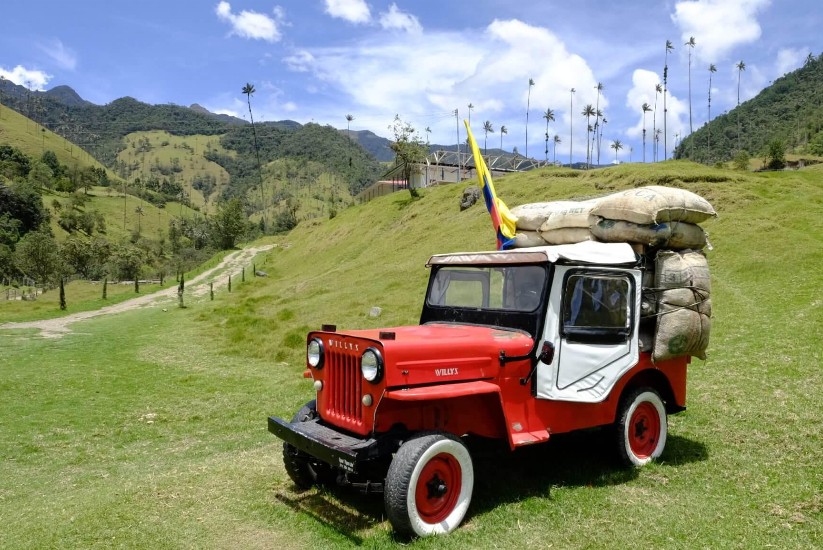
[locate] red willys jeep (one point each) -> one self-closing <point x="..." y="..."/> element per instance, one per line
<point x="515" y="345"/>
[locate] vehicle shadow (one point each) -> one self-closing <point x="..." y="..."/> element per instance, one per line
<point x="579" y="459"/>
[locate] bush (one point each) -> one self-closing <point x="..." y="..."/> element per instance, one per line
<point x="741" y="160"/>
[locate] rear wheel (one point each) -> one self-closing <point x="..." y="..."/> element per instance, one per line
<point x="641" y="427"/>
<point x="429" y="485"/>
<point x="304" y="470"/>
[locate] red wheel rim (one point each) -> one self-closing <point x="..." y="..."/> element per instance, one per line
<point x="644" y="430"/>
<point x="438" y="488"/>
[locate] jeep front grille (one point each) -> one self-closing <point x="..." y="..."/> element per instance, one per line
<point x="343" y="386"/>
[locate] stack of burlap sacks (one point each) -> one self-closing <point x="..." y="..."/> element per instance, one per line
<point x="662" y="225"/>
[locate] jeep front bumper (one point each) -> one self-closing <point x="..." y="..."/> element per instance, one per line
<point x="323" y="443"/>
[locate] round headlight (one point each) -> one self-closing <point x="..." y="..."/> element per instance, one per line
<point x="314" y="353"/>
<point x="371" y="365"/>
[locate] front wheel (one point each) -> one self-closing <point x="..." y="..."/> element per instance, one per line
<point x="304" y="470"/>
<point x="641" y="427"/>
<point x="429" y="485"/>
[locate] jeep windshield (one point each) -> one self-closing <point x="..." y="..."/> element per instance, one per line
<point x="504" y="296"/>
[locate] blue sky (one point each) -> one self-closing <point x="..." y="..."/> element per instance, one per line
<point x="319" y="60"/>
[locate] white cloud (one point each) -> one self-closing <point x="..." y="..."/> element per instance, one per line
<point x="353" y="11"/>
<point x="718" y="25"/>
<point x="789" y="59"/>
<point x="396" y="19"/>
<point x="251" y="24"/>
<point x="424" y="77"/>
<point x="63" y="56"/>
<point x="675" y="120"/>
<point x="30" y="78"/>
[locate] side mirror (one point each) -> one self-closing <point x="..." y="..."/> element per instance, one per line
<point x="546" y="353"/>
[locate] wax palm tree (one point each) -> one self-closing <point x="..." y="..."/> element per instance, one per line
<point x="598" y="130"/>
<point x="428" y="131"/>
<point x="657" y="139"/>
<point x="349" y="118"/>
<point x="249" y="90"/>
<point x="669" y="48"/>
<point x="740" y="68"/>
<point x="556" y="142"/>
<point x="528" y="101"/>
<point x="471" y="107"/>
<point x="487" y="128"/>
<point x="549" y="116"/>
<point x="657" y="90"/>
<point x="571" y="124"/>
<point x="140" y="213"/>
<point x="588" y="112"/>
<point x="503" y="130"/>
<point x="616" y="145"/>
<point x="598" y="115"/>
<point x="691" y="44"/>
<point x="646" y="108"/>
<point x="712" y="70"/>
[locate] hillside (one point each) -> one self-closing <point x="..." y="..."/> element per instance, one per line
<point x="789" y="110"/>
<point x="33" y="139"/>
<point x="165" y="408"/>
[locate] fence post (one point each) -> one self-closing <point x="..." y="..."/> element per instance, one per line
<point x="211" y="291"/>
<point x="229" y="282"/>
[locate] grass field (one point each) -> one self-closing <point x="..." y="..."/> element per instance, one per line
<point x="148" y="429"/>
<point x="31" y="138"/>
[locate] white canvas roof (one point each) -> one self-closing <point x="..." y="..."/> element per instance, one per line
<point x="590" y="252"/>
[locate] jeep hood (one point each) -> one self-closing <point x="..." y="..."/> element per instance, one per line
<point x="444" y="352"/>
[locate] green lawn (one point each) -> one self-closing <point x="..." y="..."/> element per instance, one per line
<point x="148" y="429"/>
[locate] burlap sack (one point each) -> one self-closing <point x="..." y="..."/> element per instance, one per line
<point x="673" y="235"/>
<point x="526" y="239"/>
<point x="575" y="215"/>
<point x="654" y="204"/>
<point x="687" y="268"/>
<point x="532" y="215"/>
<point x="567" y="235"/>
<point x="684" y="308"/>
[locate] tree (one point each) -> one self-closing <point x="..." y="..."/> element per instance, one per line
<point x="646" y="108"/>
<point x="616" y="145"/>
<point x="138" y="210"/>
<point x="349" y="118"/>
<point x="588" y="112"/>
<point x="229" y="223"/>
<point x="669" y="48"/>
<point x="471" y="107"/>
<point x="408" y="149"/>
<point x="657" y="90"/>
<point x="36" y="256"/>
<point x="549" y="116"/>
<point x="503" y="131"/>
<point x="571" y="124"/>
<point x="127" y="261"/>
<point x="597" y="116"/>
<point x="556" y="142"/>
<point x="248" y="89"/>
<point x="712" y="70"/>
<point x="528" y="101"/>
<point x="740" y="68"/>
<point x="775" y="158"/>
<point x="487" y="128"/>
<point x="691" y="44"/>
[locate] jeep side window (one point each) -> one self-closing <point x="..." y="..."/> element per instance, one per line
<point x="596" y="308"/>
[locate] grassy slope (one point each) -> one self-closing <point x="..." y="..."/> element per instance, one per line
<point x="31" y="138"/>
<point x="148" y="429"/>
<point x="189" y="152"/>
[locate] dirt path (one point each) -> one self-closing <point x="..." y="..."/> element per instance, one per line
<point x="198" y="286"/>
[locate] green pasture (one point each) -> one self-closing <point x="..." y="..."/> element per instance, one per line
<point x="184" y="152"/>
<point x="31" y="138"/>
<point x="148" y="429"/>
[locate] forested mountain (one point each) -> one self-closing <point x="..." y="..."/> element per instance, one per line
<point x="101" y="130"/>
<point x="790" y="111"/>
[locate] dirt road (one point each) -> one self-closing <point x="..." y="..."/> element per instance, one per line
<point x="198" y="286"/>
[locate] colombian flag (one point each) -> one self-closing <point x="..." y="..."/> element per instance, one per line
<point x="502" y="220"/>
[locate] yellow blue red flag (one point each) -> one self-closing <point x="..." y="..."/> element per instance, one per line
<point x="503" y="220"/>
